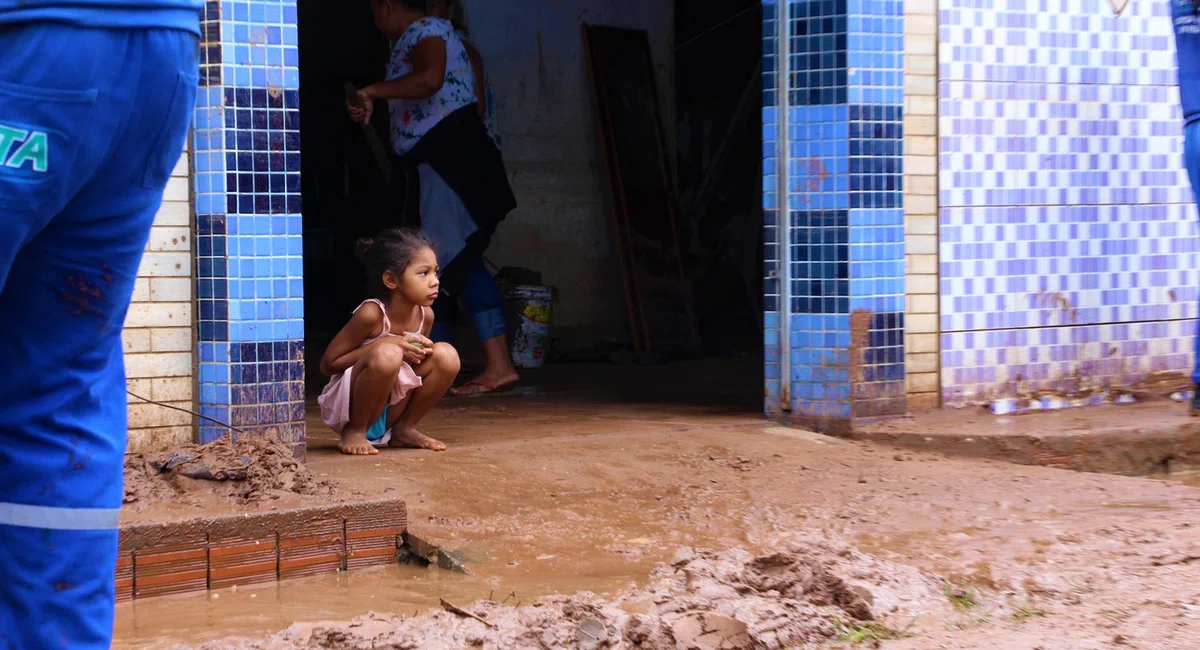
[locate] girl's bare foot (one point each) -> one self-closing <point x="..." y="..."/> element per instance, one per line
<point x="414" y="439"/>
<point x="355" y="443"/>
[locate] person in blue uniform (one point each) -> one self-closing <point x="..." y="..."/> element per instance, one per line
<point x="96" y="98"/>
<point x="1185" y="14"/>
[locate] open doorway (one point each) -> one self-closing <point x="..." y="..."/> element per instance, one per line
<point x="707" y="56"/>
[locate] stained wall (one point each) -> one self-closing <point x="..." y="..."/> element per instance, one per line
<point x="1067" y="245"/>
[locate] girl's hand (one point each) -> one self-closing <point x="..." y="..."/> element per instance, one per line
<point x="418" y="338"/>
<point x="414" y="353"/>
<point x="415" y="341"/>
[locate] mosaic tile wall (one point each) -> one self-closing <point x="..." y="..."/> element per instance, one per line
<point x="1068" y="252"/>
<point x="246" y="187"/>
<point x="834" y="223"/>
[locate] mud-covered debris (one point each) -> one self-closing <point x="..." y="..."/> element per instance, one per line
<point x="195" y="466"/>
<point x="703" y="600"/>
<point x="424" y="553"/>
<point x="703" y="631"/>
<point x="455" y="609"/>
<point x="255" y="467"/>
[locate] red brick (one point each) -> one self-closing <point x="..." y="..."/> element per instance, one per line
<point x="311" y="548"/>
<point x="371" y="537"/>
<point x="242" y="560"/>
<point x="124" y="578"/>
<point x="180" y="566"/>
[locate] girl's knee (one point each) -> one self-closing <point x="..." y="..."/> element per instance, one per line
<point x="445" y="358"/>
<point x="385" y="358"/>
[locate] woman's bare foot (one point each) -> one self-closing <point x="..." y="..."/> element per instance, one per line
<point x="414" y="439"/>
<point x="355" y="443"/>
<point x="488" y="382"/>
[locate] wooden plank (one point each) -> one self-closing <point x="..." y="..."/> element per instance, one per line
<point x="633" y="144"/>
<point x="613" y="175"/>
<point x="382" y="158"/>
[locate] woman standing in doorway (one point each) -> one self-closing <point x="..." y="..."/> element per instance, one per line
<point x="453" y="11"/>
<point x="434" y="99"/>
<point x="1185" y="14"/>
<point x="481" y="296"/>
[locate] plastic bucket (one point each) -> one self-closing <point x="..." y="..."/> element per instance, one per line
<point x="529" y="333"/>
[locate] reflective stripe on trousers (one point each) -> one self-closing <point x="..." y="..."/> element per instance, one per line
<point x="49" y="518"/>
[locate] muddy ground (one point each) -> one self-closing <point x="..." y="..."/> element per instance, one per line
<point x="793" y="596"/>
<point x="565" y="495"/>
<point x="229" y="475"/>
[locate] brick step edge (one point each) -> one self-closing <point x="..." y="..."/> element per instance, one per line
<point x="193" y="555"/>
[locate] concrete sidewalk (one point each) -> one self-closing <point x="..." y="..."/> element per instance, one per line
<point x="1152" y="438"/>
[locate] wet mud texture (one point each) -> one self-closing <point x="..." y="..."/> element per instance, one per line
<point x="801" y="594"/>
<point x="570" y="493"/>
<point x="251" y="469"/>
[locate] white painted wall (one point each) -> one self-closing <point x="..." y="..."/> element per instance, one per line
<point x="533" y="54"/>
<point x="158" y="336"/>
<point x="921" y="334"/>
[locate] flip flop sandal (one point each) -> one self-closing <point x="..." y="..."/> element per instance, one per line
<point x="487" y="388"/>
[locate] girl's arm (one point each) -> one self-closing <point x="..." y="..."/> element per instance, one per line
<point x="480" y="87"/>
<point x="428" y="74"/>
<point x="427" y="327"/>
<point x="346" y="348"/>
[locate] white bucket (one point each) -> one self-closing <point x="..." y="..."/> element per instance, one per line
<point x="529" y="337"/>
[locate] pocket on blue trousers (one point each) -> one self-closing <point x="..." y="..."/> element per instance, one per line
<point x="168" y="143"/>
<point x="40" y="132"/>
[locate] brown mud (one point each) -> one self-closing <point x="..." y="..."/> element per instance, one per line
<point x="575" y="493"/>
<point x="254" y="469"/>
<point x="801" y="594"/>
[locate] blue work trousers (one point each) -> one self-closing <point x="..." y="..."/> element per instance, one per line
<point x="1191" y="159"/>
<point x="483" y="300"/>
<point x="92" y="122"/>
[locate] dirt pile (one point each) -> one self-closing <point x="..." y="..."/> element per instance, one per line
<point x="250" y="469"/>
<point x="799" y="596"/>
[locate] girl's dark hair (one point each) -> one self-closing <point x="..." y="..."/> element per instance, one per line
<point x="393" y="249"/>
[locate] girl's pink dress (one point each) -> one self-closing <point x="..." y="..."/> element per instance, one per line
<point x="335" y="399"/>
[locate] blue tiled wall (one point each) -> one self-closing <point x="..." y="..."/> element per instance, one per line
<point x="1068" y="250"/>
<point x="834" y="223"/>
<point x="246" y="192"/>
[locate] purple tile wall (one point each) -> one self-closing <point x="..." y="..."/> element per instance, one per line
<point x="1068" y="248"/>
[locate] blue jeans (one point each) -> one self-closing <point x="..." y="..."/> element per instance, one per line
<point x="483" y="299"/>
<point x="92" y="122"/>
<point x="1191" y="159"/>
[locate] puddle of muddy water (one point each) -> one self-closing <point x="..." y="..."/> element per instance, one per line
<point x="159" y="623"/>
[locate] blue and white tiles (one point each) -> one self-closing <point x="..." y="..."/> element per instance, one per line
<point x="832" y="182"/>
<point x="1068" y="250"/>
<point x="246" y="190"/>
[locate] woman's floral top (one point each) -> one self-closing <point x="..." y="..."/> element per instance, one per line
<point x="489" y="103"/>
<point x="411" y="119"/>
